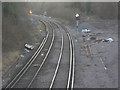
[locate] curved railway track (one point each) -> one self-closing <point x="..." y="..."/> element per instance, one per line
<point x="43" y="60"/>
<point x="70" y="82"/>
<point x="58" y="63"/>
<point x="20" y="77"/>
<point x="30" y="62"/>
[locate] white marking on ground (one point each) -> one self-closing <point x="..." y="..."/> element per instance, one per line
<point x="103" y="63"/>
<point x="76" y="40"/>
<point x="105" y="68"/>
<point x="42" y="54"/>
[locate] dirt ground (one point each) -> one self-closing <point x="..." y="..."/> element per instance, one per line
<point x="101" y="69"/>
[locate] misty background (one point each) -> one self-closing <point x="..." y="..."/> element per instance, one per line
<point x="66" y="10"/>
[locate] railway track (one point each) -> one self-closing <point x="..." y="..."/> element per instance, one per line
<point x="71" y="75"/>
<point x="31" y="61"/>
<point x="25" y="74"/>
<point x="43" y="60"/>
<point x="17" y="66"/>
<point x="70" y="82"/>
<point x="58" y="63"/>
<point x="59" y="56"/>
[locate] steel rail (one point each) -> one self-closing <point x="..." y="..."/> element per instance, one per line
<point x="59" y="60"/>
<point x="71" y="75"/>
<point x="32" y="59"/>
<point x="53" y="38"/>
<point x="70" y="66"/>
<point x="70" y="84"/>
<point x="73" y="72"/>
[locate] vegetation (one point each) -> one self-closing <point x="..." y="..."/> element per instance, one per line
<point x="103" y="10"/>
<point x="66" y="11"/>
<point x="15" y="16"/>
<point x="16" y="31"/>
<point x="14" y="28"/>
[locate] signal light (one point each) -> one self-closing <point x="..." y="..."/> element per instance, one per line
<point x="77" y="15"/>
<point x="30" y="12"/>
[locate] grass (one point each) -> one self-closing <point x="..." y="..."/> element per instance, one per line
<point x="9" y="58"/>
<point x="40" y="27"/>
<point x="37" y="32"/>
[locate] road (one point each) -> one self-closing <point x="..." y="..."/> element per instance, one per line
<point x="61" y="60"/>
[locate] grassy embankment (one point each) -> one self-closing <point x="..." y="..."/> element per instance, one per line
<point x="17" y="30"/>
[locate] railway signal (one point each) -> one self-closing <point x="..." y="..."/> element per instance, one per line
<point x="30" y="12"/>
<point x="77" y="16"/>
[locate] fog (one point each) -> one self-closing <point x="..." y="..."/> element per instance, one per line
<point x="66" y="10"/>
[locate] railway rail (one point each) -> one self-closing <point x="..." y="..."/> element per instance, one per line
<point x="59" y="59"/>
<point x="70" y="83"/>
<point x="26" y="69"/>
<point x="43" y="60"/>
<point x="30" y="62"/>
<point x="58" y="63"/>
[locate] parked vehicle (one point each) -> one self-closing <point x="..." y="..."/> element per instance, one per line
<point x="29" y="47"/>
